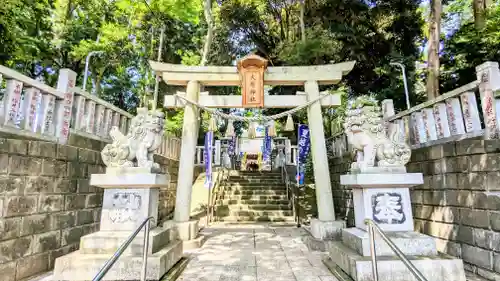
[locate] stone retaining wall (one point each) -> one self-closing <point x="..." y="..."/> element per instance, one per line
<point x="167" y="194"/>
<point x="47" y="204"/>
<point x="342" y="196"/>
<point x="459" y="202"/>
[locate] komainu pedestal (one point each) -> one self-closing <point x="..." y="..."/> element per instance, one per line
<point x="385" y="199"/>
<point x="130" y="196"/>
<point x="380" y="187"/>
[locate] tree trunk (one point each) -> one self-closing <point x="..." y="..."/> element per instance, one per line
<point x="433" y="49"/>
<point x="480" y="8"/>
<point x="210" y="32"/>
<point x="302" y="25"/>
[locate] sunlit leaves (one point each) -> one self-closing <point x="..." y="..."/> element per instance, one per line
<point x="468" y="48"/>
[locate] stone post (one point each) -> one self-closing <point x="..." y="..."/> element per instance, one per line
<point x="187" y="230"/>
<point x="188" y="150"/>
<point x="64" y="107"/>
<point x="325" y="227"/>
<point x="488" y="75"/>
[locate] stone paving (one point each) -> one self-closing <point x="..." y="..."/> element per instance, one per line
<point x="257" y="252"/>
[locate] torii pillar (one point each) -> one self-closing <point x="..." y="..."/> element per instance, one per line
<point x="254" y="68"/>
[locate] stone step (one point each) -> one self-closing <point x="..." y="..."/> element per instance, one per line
<point x="112" y="240"/>
<point x="254" y="173"/>
<point x="249" y="176"/>
<point x="253" y="197"/>
<point x="359" y="241"/>
<point x="254" y="180"/>
<point x="251" y="202"/>
<point x="255" y="219"/>
<point x="77" y="266"/>
<point x="252" y="184"/>
<point x="432" y="267"/>
<point x="257" y="207"/>
<point x="260" y="187"/>
<point x="255" y="192"/>
<point x="254" y="213"/>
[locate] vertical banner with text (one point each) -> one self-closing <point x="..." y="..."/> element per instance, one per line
<point x="267" y="146"/>
<point x="304" y="145"/>
<point x="209" y="136"/>
<point x="232" y="146"/>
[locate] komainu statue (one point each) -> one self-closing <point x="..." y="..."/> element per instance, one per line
<point x="368" y="136"/>
<point x="136" y="149"/>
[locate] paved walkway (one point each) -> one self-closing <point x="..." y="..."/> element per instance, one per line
<point x="255" y="253"/>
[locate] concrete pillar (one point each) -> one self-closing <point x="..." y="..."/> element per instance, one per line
<point x="324" y="197"/>
<point x="188" y="150"/>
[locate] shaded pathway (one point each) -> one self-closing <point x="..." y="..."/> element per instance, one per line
<point x="256" y="252"/>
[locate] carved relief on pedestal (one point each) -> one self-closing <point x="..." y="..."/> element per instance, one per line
<point x="126" y="206"/>
<point x="388" y="208"/>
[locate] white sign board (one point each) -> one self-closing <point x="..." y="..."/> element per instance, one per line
<point x="251" y="145"/>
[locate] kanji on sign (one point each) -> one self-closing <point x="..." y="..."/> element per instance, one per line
<point x="251" y="69"/>
<point x="68" y="98"/>
<point x="387" y="208"/>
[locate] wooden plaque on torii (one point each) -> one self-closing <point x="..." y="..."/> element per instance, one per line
<point x="251" y="69"/>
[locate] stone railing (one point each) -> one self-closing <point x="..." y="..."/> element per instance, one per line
<point x="469" y="111"/>
<point x="199" y="158"/>
<point x="35" y="110"/>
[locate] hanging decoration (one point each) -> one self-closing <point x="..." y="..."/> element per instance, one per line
<point x="253" y="118"/>
<point x="230" y="129"/>
<point x="212" y="125"/>
<point x="272" y="129"/>
<point x="289" y="123"/>
<point x="252" y="133"/>
<point x="251" y="130"/>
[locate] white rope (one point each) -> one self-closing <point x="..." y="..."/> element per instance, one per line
<point x="251" y="119"/>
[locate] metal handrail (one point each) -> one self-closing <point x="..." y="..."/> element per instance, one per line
<point x="107" y="266"/>
<point x="371" y="226"/>
<point x="221" y="180"/>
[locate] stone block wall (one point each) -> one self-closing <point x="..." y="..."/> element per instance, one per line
<point x="342" y="196"/>
<point x="47" y="204"/>
<point x="167" y="194"/>
<point x="459" y="202"/>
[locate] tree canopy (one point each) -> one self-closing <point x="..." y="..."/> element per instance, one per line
<point x="39" y="37"/>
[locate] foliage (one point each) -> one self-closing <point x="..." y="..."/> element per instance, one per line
<point x="362" y="101"/>
<point x="40" y="37"/>
<point x="371" y="33"/>
<point x="468" y="48"/>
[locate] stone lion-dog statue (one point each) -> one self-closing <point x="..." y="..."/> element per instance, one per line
<point x="144" y="136"/>
<point x="368" y="136"/>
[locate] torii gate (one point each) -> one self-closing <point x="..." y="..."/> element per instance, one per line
<point x="252" y="68"/>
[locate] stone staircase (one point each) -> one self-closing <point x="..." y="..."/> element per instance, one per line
<point x="253" y="196"/>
